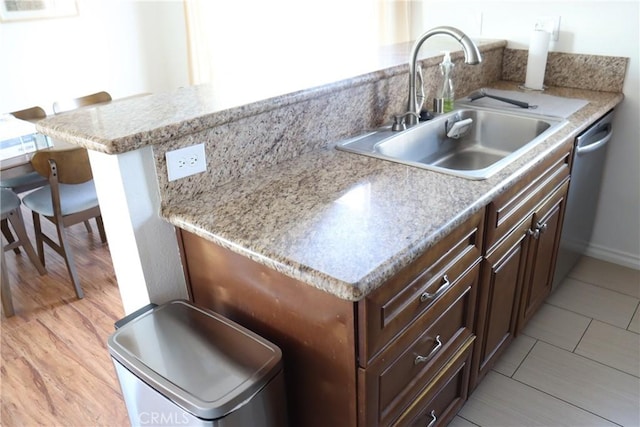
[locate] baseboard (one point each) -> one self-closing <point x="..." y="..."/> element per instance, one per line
<point x="614" y="256"/>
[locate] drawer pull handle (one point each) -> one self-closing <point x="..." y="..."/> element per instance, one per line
<point x="445" y="284"/>
<point x="423" y="359"/>
<point x="433" y="419"/>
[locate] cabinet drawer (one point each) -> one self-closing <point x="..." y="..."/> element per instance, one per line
<point x="416" y="290"/>
<point x="443" y="398"/>
<point x="510" y="208"/>
<point x="393" y="380"/>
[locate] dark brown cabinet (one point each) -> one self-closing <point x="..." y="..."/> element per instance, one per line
<point x="396" y="380"/>
<point x="314" y="330"/>
<point x="411" y="350"/>
<point x="523" y="234"/>
<point x="544" y="238"/>
<point x="384" y="360"/>
<point x="501" y="286"/>
<point x="415" y="327"/>
<point x="444" y="397"/>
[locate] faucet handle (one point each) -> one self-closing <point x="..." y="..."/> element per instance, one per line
<point x="398" y="123"/>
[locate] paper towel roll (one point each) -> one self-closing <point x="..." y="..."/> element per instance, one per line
<point x="537" y="60"/>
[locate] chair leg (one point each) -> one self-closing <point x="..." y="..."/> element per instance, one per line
<point x="103" y="236"/>
<point x="5" y="289"/>
<point x="18" y="226"/>
<point x="6" y="231"/>
<point x="39" y="242"/>
<point x="88" y="227"/>
<point x="67" y="254"/>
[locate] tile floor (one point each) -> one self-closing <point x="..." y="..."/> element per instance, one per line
<point x="577" y="363"/>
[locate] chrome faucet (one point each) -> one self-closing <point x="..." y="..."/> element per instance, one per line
<point x="471" y="56"/>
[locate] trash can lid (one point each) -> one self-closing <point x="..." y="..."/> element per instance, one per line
<point x="203" y="362"/>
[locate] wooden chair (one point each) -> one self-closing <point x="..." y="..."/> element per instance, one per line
<point x="83" y="101"/>
<point x="32" y="114"/>
<point x="27" y="181"/>
<point x="10" y="211"/>
<point x="69" y="199"/>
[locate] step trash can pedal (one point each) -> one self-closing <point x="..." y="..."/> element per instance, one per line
<point x="180" y="365"/>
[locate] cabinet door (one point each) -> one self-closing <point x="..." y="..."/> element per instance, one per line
<point x="545" y="232"/>
<point x="499" y="300"/>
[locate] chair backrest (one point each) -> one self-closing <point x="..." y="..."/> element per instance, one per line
<point x="32" y="114"/>
<point x="9" y="201"/>
<point x="72" y="166"/>
<point x="72" y="104"/>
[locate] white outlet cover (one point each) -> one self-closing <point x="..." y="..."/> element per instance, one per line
<point x="186" y="161"/>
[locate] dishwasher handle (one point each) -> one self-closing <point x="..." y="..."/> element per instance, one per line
<point x="597" y="144"/>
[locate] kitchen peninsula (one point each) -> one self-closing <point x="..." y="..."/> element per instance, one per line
<point x="297" y="240"/>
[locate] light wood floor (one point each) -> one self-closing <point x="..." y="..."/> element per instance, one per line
<point x="576" y="364"/>
<point x="56" y="369"/>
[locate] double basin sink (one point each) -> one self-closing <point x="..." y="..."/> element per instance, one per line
<point x="472" y="143"/>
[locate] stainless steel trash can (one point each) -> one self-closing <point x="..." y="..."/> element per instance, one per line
<point x="179" y="365"/>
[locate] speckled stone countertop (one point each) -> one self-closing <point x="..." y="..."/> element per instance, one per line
<point x="277" y="191"/>
<point x="151" y="119"/>
<point x="345" y="223"/>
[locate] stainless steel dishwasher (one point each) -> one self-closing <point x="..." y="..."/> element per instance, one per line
<point x="586" y="175"/>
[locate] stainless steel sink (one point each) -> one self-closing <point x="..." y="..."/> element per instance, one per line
<point x="483" y="142"/>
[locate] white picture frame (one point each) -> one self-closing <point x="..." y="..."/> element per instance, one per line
<point x="22" y="10"/>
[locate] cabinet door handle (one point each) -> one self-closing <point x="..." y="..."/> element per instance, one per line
<point x="445" y="284"/>
<point x="540" y="228"/>
<point x="433" y="419"/>
<point x="423" y="359"/>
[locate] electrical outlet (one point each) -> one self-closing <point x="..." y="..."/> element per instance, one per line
<point x="186" y="161"/>
<point x="550" y="24"/>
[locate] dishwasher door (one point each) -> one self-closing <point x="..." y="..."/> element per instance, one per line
<point x="582" y="201"/>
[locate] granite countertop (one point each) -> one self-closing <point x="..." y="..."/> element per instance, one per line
<point x="137" y="121"/>
<point x="338" y="221"/>
<point x="345" y="223"/>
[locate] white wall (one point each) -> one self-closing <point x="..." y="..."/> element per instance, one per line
<point x="124" y="47"/>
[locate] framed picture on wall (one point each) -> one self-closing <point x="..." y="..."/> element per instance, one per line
<point x="20" y="10"/>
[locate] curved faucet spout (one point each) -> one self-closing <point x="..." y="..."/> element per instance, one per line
<point x="471" y="56"/>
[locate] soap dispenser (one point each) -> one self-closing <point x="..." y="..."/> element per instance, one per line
<point x="447" y="94"/>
